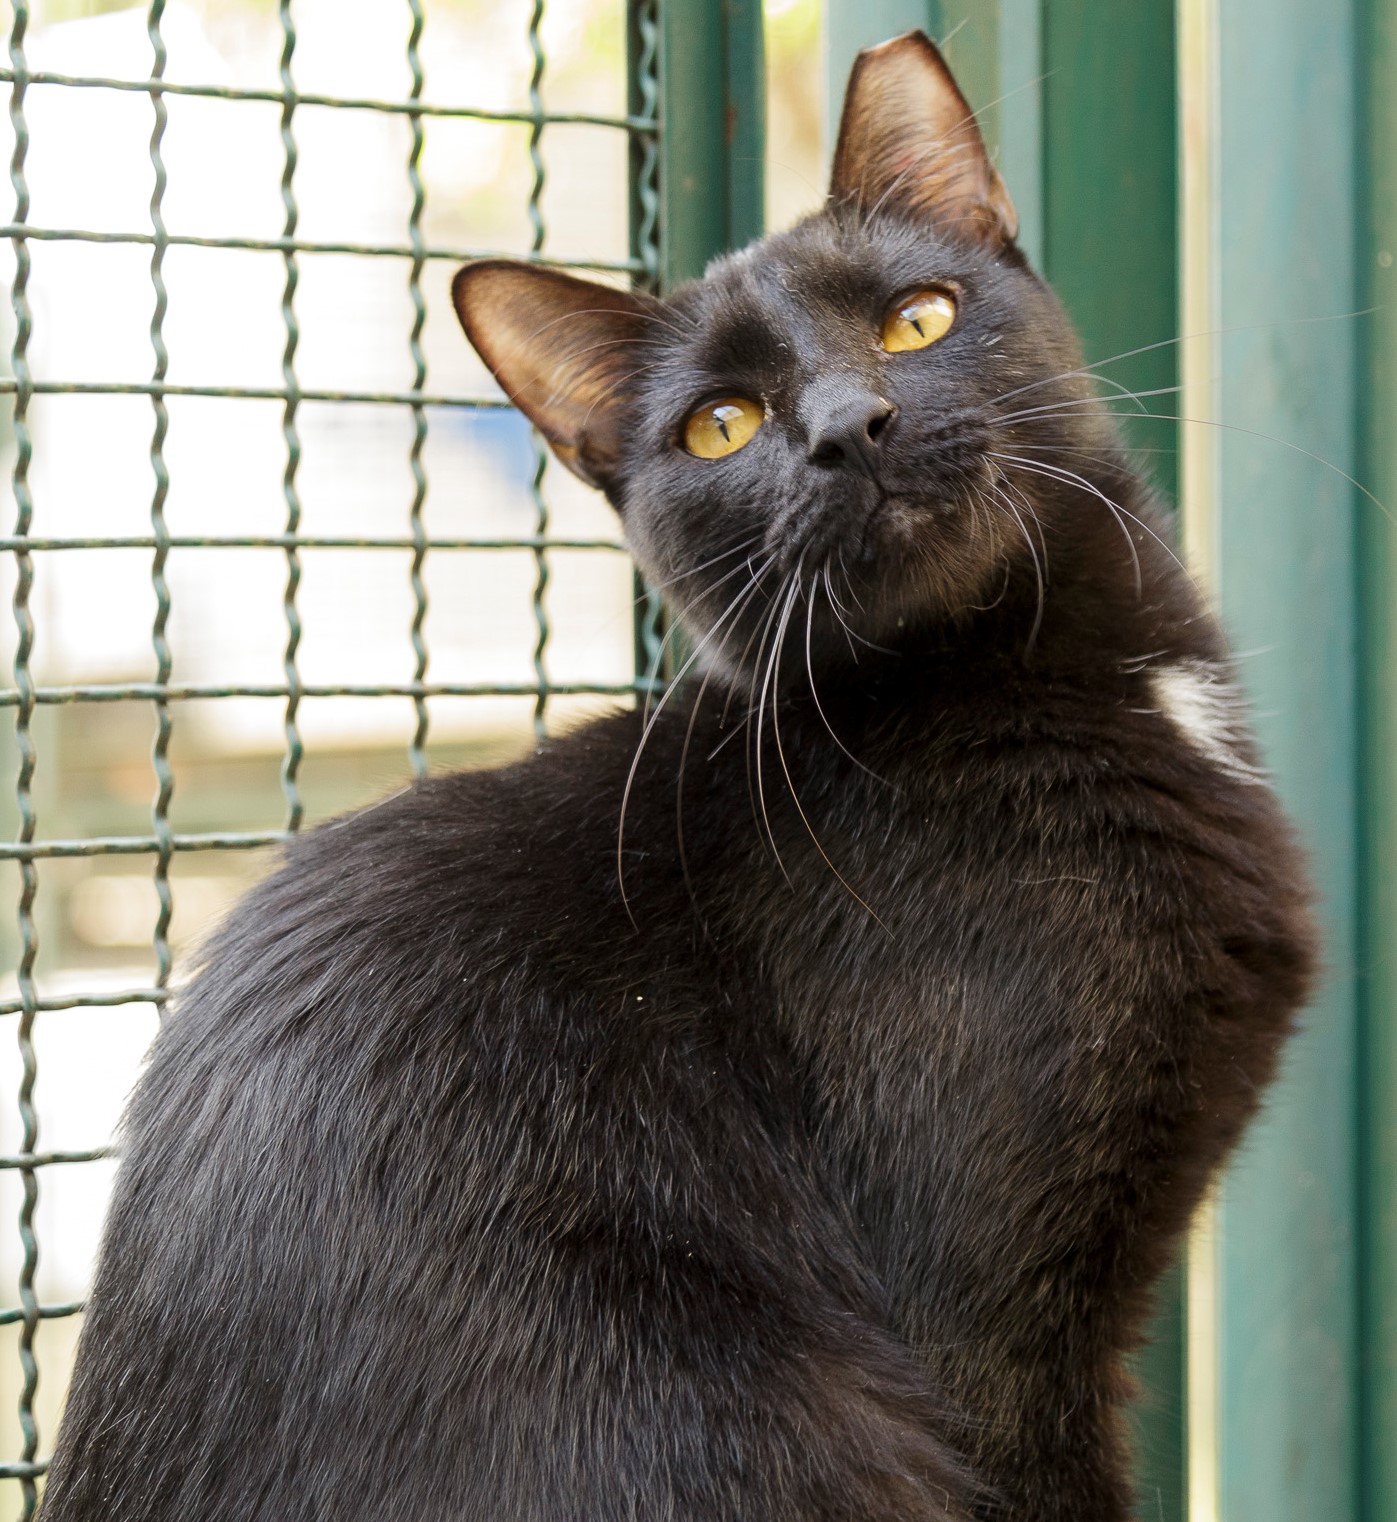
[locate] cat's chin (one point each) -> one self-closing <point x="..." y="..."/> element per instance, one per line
<point x="899" y="523"/>
<point x="924" y="559"/>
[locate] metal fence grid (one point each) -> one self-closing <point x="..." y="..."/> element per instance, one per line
<point x="35" y="851"/>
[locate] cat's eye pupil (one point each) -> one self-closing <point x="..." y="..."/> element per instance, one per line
<point x="722" y="427"/>
<point x="918" y="322"/>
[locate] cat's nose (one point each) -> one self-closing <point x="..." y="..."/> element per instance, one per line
<point x="848" y="431"/>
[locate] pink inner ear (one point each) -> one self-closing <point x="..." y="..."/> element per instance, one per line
<point x="562" y="350"/>
<point x="902" y="164"/>
<point x="908" y="141"/>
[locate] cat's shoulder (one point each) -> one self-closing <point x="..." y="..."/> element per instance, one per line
<point x="443" y="880"/>
<point x="459" y="822"/>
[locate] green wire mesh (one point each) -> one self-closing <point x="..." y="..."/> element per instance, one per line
<point x="28" y="696"/>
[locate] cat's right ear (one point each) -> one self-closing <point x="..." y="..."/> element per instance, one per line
<point x="908" y="143"/>
<point x="564" y="351"/>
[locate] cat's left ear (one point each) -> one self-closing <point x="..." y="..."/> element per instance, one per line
<point x="908" y="142"/>
<point x="563" y="349"/>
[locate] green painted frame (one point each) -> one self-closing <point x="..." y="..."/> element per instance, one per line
<point x="1285" y="1358"/>
<point x="1377" y="770"/>
<point x="713" y="90"/>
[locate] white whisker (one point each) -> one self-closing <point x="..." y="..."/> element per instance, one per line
<point x="1183" y="338"/>
<point x="1070" y="477"/>
<point x="785" y="768"/>
<point x="747" y="593"/>
<point x="649" y="727"/>
<point x="1254" y="433"/>
<point x="771" y="664"/>
<point x="1037" y="568"/>
<point x="810" y="674"/>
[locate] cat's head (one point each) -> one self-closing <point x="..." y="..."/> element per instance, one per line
<point x="835" y="409"/>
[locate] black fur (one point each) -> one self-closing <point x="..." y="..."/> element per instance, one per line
<point x="816" y="1166"/>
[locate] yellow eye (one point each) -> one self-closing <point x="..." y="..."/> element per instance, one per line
<point x="918" y="321"/>
<point x="721" y="427"/>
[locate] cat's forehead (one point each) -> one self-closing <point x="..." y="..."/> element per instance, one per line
<point x="822" y="268"/>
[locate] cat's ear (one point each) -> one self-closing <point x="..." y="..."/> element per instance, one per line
<point x="564" y="351"/>
<point x="908" y="142"/>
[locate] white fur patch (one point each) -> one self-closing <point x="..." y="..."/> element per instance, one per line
<point x="1205" y="706"/>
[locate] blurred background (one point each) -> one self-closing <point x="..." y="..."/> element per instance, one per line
<point x="277" y="545"/>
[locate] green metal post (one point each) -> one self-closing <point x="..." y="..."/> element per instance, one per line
<point x="1286" y="1436"/>
<point x="713" y="106"/>
<point x="1109" y="214"/>
<point x="1110" y="210"/>
<point x="996" y="51"/>
<point x="1377" y="800"/>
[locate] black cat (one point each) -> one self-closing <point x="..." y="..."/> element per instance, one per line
<point x="775" y="1108"/>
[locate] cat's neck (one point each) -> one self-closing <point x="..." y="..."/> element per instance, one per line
<point x="1086" y="597"/>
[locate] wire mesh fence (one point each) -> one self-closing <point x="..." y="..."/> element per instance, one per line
<point x="277" y="539"/>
